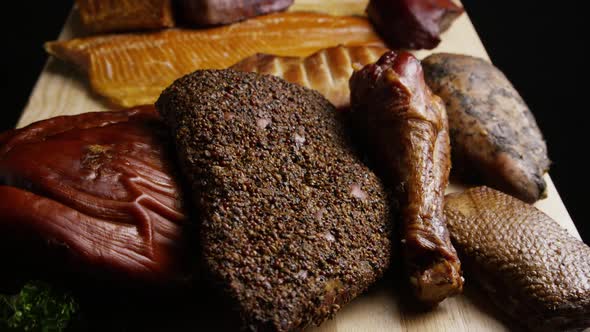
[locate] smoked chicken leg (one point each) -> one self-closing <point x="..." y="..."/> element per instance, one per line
<point x="404" y="127"/>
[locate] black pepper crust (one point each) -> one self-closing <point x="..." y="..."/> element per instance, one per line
<point x="293" y="224"/>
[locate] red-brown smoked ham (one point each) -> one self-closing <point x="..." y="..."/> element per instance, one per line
<point x="97" y="193"/>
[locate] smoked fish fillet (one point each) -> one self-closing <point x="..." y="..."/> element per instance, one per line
<point x="531" y="267"/>
<point x="326" y="71"/>
<point x="132" y="69"/>
<point x="122" y="15"/>
<point x="331" y="7"/>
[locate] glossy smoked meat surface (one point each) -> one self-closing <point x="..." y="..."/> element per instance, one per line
<point x="212" y="12"/>
<point x="412" y="24"/>
<point x="404" y="129"/>
<point x="101" y="190"/>
<point x="531" y="267"/>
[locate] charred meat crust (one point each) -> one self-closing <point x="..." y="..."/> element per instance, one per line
<point x="495" y="138"/>
<point x="294" y="225"/>
<point x="404" y="128"/>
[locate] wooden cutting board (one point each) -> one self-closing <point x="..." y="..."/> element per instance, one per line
<point x="61" y="90"/>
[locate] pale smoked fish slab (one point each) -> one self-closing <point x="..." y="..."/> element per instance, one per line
<point x="61" y="90"/>
<point x="132" y="69"/>
<point x="333" y="7"/>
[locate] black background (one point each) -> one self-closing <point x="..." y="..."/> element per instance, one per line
<point x="538" y="46"/>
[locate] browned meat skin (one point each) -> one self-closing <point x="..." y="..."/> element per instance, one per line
<point x="529" y="265"/>
<point x="405" y="127"/>
<point x="102" y="16"/>
<point x="495" y="138"/>
<point x="213" y="12"/>
<point x="412" y="24"/>
<point x="100" y="190"/>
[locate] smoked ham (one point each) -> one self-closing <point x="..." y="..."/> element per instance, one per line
<point x="96" y="194"/>
<point x="327" y="71"/>
<point x="132" y="69"/>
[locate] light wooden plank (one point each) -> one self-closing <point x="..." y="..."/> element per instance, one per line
<point x="61" y="90"/>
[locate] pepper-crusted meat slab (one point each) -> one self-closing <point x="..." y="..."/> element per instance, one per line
<point x="293" y="224"/>
<point x="404" y="128"/>
<point x="98" y="192"/>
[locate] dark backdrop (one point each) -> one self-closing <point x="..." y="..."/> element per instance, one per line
<point x="538" y="46"/>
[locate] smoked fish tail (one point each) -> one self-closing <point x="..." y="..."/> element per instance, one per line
<point x="326" y="71"/>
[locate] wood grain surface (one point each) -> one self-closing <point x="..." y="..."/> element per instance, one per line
<point x="61" y="90"/>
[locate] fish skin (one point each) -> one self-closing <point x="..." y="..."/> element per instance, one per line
<point x="326" y="71"/>
<point x="132" y="69"/>
<point x="529" y="265"/>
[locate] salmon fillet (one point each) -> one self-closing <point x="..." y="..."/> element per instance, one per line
<point x="404" y="128"/>
<point x="132" y="69"/>
<point x="121" y="15"/>
<point x="326" y="71"/>
<point x="529" y="265"/>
